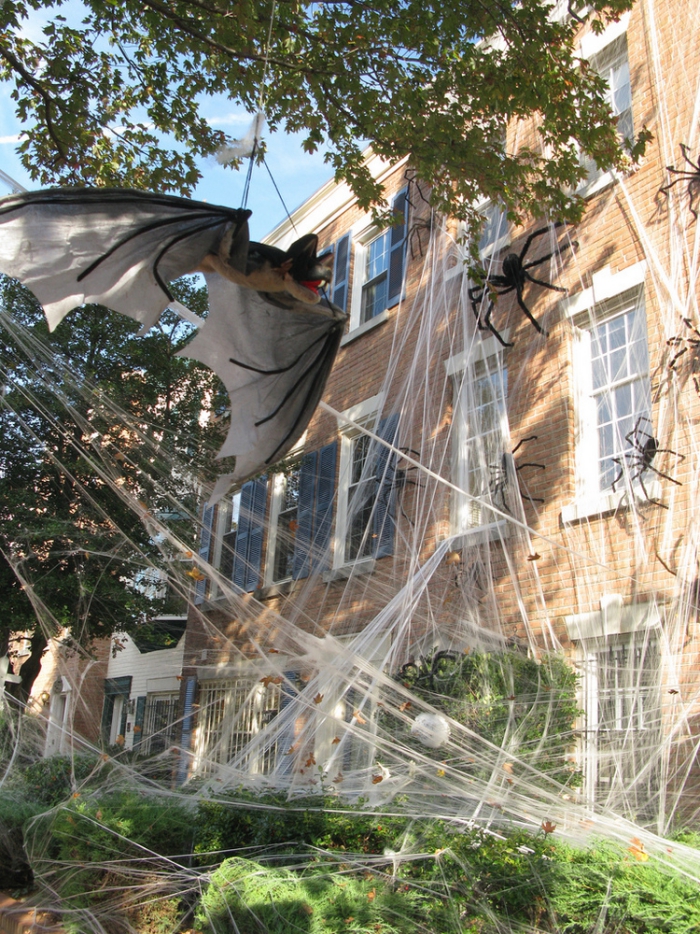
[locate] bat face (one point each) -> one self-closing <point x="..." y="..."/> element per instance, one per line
<point x="297" y="271"/>
<point x="269" y="335"/>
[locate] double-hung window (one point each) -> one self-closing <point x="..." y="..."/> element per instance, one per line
<point x="379" y="260"/>
<point x="621" y="667"/>
<point x="366" y="508"/>
<point x="613" y="390"/>
<point x="607" y="54"/>
<point x="301" y="517"/>
<point x="283" y="526"/>
<point x="480" y="432"/>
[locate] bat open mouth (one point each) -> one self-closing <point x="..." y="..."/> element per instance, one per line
<point x="312" y="286"/>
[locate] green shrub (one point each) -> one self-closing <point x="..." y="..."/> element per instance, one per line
<point x="610" y="889"/>
<point x="494" y="693"/>
<point x="15" y="868"/>
<point x="247" y="897"/>
<point x="51" y="781"/>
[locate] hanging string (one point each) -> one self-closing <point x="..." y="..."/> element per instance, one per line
<point x="261" y="102"/>
<point x="272" y="179"/>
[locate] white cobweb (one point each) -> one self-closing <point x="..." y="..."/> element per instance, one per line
<point x="346" y="691"/>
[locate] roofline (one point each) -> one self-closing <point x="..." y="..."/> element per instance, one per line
<point x="327" y="203"/>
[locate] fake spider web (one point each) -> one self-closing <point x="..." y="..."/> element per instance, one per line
<point x="350" y="687"/>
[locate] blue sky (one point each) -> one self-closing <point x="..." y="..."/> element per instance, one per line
<point x="297" y="173"/>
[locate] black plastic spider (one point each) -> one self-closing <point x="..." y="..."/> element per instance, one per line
<point x="515" y="275"/>
<point x="693" y="179"/>
<point x="498" y="485"/>
<point x="640" y="459"/>
<point x="687" y="343"/>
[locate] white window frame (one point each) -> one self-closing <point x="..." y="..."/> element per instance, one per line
<point x="489" y="352"/>
<point x="361" y="235"/>
<point x="260" y="698"/>
<point x="593" y="634"/>
<point x="607" y="289"/>
<point x="499" y="243"/>
<point x="460" y="251"/>
<point x="593" y="46"/>
<point x="366" y="414"/>
<point x="278" y="483"/>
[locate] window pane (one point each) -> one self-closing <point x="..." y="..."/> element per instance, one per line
<point x="620" y="385"/>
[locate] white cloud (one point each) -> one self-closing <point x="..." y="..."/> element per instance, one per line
<point x="10" y="139"/>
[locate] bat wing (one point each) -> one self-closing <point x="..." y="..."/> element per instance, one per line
<point x="113" y="247"/>
<point x="274" y="357"/>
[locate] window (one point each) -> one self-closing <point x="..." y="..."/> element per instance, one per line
<point x="621" y="674"/>
<point x="365" y="526"/>
<point x="613" y="390"/>
<point x="284" y="516"/>
<point x="58" y="733"/>
<point x="608" y="55"/>
<point x="379" y="267"/>
<point x="495" y="233"/>
<point x="156" y="715"/>
<point x="620" y="389"/>
<point x="302" y="517"/>
<point x="232" y="713"/>
<point x="479" y="434"/>
<point x="231" y="515"/>
<point x="115" y="710"/>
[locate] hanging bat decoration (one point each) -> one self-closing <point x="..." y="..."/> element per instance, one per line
<point x="269" y="335"/>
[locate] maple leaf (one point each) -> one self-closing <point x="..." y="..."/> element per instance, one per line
<point x="318" y="698"/>
<point x="508" y="767"/>
<point x="377" y="778"/>
<point x="440" y="773"/>
<point x="310" y="761"/>
<point x="371" y="895"/>
<point x="338" y="779"/>
<point x="405" y="706"/>
<point x="335" y="741"/>
<point x="548" y="827"/>
<point x="358" y="716"/>
<point x="534" y="556"/>
<point x="273" y="651"/>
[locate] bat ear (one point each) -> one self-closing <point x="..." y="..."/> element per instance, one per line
<point x="326" y="260"/>
<point x="303" y="254"/>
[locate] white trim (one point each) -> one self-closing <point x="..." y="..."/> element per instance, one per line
<point x="489" y="352"/>
<point x="612" y="619"/>
<point x="592" y="43"/>
<point x="328" y="203"/>
<point x="366" y="413"/>
<point x="589" y="499"/>
<point x="606" y="285"/>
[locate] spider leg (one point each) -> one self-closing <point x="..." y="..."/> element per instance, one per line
<point x="491" y="327"/>
<point x="680" y="353"/>
<point x="621" y="465"/>
<point x="664" y="475"/>
<point x="669" y="451"/>
<point x="538" y="233"/>
<point x="546" y="285"/>
<point x="521" y="442"/>
<point x="538" y="327"/>
<point x="646" y="494"/>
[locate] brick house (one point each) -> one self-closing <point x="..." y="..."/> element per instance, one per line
<point x="558" y="511"/>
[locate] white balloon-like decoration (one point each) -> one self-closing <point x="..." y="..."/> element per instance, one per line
<point x="431" y="729"/>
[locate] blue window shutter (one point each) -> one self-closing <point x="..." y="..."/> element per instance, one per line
<point x="200" y="588"/>
<point x="341" y="272"/>
<point x="239" y="575"/>
<point x="255" y="535"/>
<point x="138" y="720"/>
<point x="305" y="516"/>
<point x="385" y="506"/>
<point x="323" y="508"/>
<point x="399" y="212"/>
<point x="187" y="724"/>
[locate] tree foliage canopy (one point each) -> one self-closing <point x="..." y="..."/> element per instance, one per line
<point x="99" y="430"/>
<point x="113" y="96"/>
